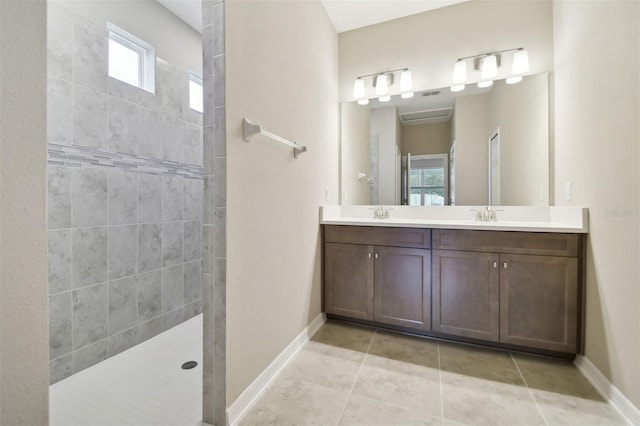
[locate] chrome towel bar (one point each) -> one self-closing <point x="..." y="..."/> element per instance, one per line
<point x="249" y="130"/>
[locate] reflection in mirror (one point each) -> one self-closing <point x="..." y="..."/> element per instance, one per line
<point x="379" y="140"/>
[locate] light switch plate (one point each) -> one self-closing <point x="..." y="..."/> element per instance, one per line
<point x="567" y="191"/>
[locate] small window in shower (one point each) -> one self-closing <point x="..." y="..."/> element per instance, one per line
<point x="131" y="59"/>
<point x="195" y="92"/>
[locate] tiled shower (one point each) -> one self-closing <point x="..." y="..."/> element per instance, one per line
<point x="125" y="200"/>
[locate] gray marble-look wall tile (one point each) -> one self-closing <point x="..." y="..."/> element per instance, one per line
<point x="220" y="290"/>
<point x="149" y="295"/>
<point x="173" y="139"/>
<point x="89" y="254"/>
<point x="60" y="369"/>
<point x="192" y="240"/>
<point x="172" y="198"/>
<point x="172" y="288"/>
<point x="149" y="247"/>
<point x="172" y="243"/>
<point x="90" y="55"/>
<point x="59" y="197"/>
<point x="209" y="199"/>
<point x="123" y="197"/>
<point x="173" y="318"/>
<point x="207" y="90"/>
<point x="59" y="260"/>
<point x="90" y="312"/>
<point x="192" y="309"/>
<point x="90" y="118"/>
<point x="207" y="49"/>
<point x="123" y="304"/>
<point x="59" y="111"/>
<point x="193" y="196"/>
<point x="59" y="325"/>
<point x="149" y="198"/>
<point x="59" y="45"/>
<point x="88" y="356"/>
<point x="90" y="189"/>
<point x="219" y="81"/>
<point x="149" y="329"/>
<point x="208" y="150"/>
<point x="218" y="30"/>
<point x="220" y="237"/>
<point x="170" y="85"/>
<point x="193" y="144"/>
<point x="149" y="133"/>
<point x="220" y="198"/>
<point x="207" y="298"/>
<point x="122" y="90"/>
<point x="192" y="276"/>
<point x="123" y="125"/>
<point x="220" y="136"/>
<point x="123" y="247"/>
<point x="122" y="341"/>
<point x="208" y="244"/>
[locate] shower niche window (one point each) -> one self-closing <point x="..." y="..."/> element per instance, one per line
<point x="427" y="180"/>
<point x="131" y="59"/>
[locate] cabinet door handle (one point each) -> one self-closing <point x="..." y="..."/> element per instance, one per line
<point x="377" y="255"/>
<point x="504" y="265"/>
<point x="495" y="265"/>
<point x="369" y="255"/>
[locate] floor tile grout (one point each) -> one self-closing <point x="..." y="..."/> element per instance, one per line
<point x="513" y="359"/>
<point x="375" y="331"/>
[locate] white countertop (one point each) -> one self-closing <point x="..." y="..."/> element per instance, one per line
<point x="510" y="218"/>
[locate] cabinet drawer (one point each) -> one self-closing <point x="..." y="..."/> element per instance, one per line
<point x="549" y="244"/>
<point x="378" y="236"/>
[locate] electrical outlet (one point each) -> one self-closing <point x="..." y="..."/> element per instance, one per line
<point x="541" y="193"/>
<point x="326" y="194"/>
<point x="567" y="191"/>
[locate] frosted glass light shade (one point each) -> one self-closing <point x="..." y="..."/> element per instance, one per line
<point x="407" y="95"/>
<point x="457" y="88"/>
<point x="363" y="102"/>
<point x="384" y="98"/>
<point x="520" y="62"/>
<point x="489" y="67"/>
<point x="459" y="72"/>
<point x="514" y="80"/>
<point x="358" y="88"/>
<point x="382" y="84"/>
<point x="484" y="84"/>
<point x="406" y="82"/>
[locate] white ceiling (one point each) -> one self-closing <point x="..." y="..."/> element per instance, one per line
<point x="344" y="14"/>
<point x="351" y="14"/>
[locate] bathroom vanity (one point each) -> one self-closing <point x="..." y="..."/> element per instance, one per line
<point x="435" y="271"/>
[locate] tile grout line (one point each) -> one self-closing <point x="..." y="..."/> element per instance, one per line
<point x="529" y="389"/>
<point x="440" y="380"/>
<point x="375" y="331"/>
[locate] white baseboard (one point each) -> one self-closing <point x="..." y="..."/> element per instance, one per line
<point x="254" y="391"/>
<point x="608" y="390"/>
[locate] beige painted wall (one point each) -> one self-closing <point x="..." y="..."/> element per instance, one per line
<point x="429" y="43"/>
<point x="471" y="157"/>
<point x="286" y="81"/>
<point x="597" y="140"/>
<point x="24" y="372"/>
<point x="434" y="138"/>
<point x="355" y="153"/>
<point x="174" y="41"/>
<point x="385" y="124"/>
<point x="521" y="111"/>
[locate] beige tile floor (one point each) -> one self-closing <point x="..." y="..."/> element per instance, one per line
<point x="351" y="375"/>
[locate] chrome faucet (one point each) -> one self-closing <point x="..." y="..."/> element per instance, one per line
<point x="486" y="214"/>
<point x="380" y="213"/>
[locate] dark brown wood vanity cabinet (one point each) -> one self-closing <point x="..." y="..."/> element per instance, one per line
<point x="378" y="274"/>
<point x="516" y="288"/>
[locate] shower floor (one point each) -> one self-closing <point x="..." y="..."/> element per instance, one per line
<point x="144" y="385"/>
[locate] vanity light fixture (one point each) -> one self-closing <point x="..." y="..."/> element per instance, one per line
<point x="487" y="65"/>
<point x="382" y="81"/>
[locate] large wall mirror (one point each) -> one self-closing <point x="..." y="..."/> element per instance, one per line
<point x="475" y="147"/>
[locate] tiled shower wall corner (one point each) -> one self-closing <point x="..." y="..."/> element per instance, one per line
<point x="215" y="195"/>
<point x="125" y="201"/>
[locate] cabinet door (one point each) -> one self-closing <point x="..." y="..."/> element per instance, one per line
<point x="539" y="301"/>
<point x="348" y="280"/>
<point x="466" y="294"/>
<point x="402" y="291"/>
